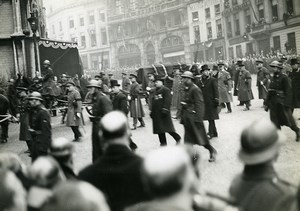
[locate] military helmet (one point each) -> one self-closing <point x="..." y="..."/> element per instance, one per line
<point x="61" y="147"/>
<point x="94" y="83"/>
<point x="35" y="95"/>
<point x="276" y="64"/>
<point x="187" y="74"/>
<point x="46" y="62"/>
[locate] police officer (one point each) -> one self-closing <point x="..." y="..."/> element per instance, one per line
<point x="193" y="114"/>
<point x="101" y="105"/>
<point x="39" y="126"/>
<point x="279" y="100"/>
<point x="258" y="187"/>
<point x="263" y="79"/>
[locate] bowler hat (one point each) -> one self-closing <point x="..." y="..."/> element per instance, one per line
<point x="294" y="61"/>
<point x="187" y="74"/>
<point x="114" y="83"/>
<point x="132" y="75"/>
<point x="260" y="142"/>
<point x="204" y="67"/>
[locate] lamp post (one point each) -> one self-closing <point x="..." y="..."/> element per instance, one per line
<point x="33" y="21"/>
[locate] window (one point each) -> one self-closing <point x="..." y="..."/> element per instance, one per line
<point x="291" y="43"/>
<point x="276" y="43"/>
<point x="274" y="10"/>
<point x="217" y="10"/>
<point x="209" y="30"/>
<point x="84" y="60"/>
<point x="91" y="18"/>
<point x="71" y="23"/>
<point x="197" y="34"/>
<point x="261" y="15"/>
<point x="249" y="48"/>
<point x="53" y="29"/>
<point x="247" y="17"/>
<point x="60" y="25"/>
<point x="229" y="27"/>
<point x="290" y="7"/>
<point x="103" y="36"/>
<point x="73" y="38"/>
<point x="195" y="16"/>
<point x="81" y="20"/>
<point x="237" y="24"/>
<point x="230" y="52"/>
<point x="177" y="19"/>
<point x="93" y="39"/>
<point x="239" y="52"/>
<point x="219" y="28"/>
<point x="83" y="41"/>
<point x="207" y="13"/>
<point x="102" y="16"/>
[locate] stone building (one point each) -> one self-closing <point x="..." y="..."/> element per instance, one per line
<point x="16" y="43"/>
<point x="144" y="32"/>
<point x="84" y="22"/>
<point x="206" y="30"/>
<point x="257" y="26"/>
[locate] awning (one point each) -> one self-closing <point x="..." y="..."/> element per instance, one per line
<point x="178" y="53"/>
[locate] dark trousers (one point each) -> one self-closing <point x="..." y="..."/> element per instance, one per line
<point x="212" y="130"/>
<point x="4" y="130"/>
<point x="228" y="105"/>
<point x="76" y="132"/>
<point x="140" y="120"/>
<point x="163" y="140"/>
<point x="97" y="145"/>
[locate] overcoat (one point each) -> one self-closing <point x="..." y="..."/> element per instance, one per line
<point x="74" y="106"/>
<point x="224" y="86"/>
<point x="209" y="87"/>
<point x="295" y="77"/>
<point x="244" y="86"/>
<point x="263" y="76"/>
<point x="192" y="116"/>
<point x="160" y="113"/>
<point x="136" y="108"/>
<point x="177" y="92"/>
<point x="24" y="109"/>
<point x="120" y="103"/>
<point x="151" y="85"/>
<point x="279" y="100"/>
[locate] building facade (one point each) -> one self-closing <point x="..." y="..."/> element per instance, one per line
<point x="145" y="32"/>
<point x="84" y="22"/>
<point x="257" y="26"/>
<point x="16" y="44"/>
<point x="206" y="30"/>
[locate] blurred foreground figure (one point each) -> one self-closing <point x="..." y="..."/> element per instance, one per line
<point x="258" y="188"/>
<point x="79" y="196"/>
<point x="12" y="193"/>
<point x="117" y="172"/>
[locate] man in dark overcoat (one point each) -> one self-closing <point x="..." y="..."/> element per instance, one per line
<point x="258" y="187"/>
<point x="119" y="102"/>
<point x="295" y="78"/>
<point x="39" y="126"/>
<point x="161" y="114"/>
<point x="263" y="79"/>
<point x="117" y="173"/>
<point x="209" y="87"/>
<point x="136" y="108"/>
<point x="193" y="114"/>
<point x="279" y="100"/>
<point x="101" y="105"/>
<point x="245" y="94"/>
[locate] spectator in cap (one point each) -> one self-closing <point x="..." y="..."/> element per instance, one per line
<point x="135" y="103"/>
<point x="286" y="68"/>
<point x="101" y="105"/>
<point x="263" y="80"/>
<point x="117" y="171"/>
<point x="295" y="78"/>
<point x="258" y="187"/>
<point x="150" y="89"/>
<point x="125" y="83"/>
<point x="279" y="100"/>
<point x="193" y="114"/>
<point x="39" y="126"/>
<point x="12" y="193"/>
<point x="244" y="86"/>
<point x="161" y="114"/>
<point x="62" y="151"/>
<point x="209" y="87"/>
<point x="80" y="196"/>
<point x="4" y="110"/>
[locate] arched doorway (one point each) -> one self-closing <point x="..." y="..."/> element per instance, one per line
<point x="129" y="55"/>
<point x="172" y="49"/>
<point x="150" y="54"/>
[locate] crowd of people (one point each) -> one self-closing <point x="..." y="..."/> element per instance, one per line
<point x="167" y="178"/>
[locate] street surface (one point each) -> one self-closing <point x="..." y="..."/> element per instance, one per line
<point x="216" y="177"/>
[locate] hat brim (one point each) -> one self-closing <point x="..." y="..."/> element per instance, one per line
<point x="90" y="86"/>
<point x="264" y="156"/>
<point x="36" y="98"/>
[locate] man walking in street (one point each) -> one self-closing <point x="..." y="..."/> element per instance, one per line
<point x="263" y="80"/>
<point x="295" y="78"/>
<point x="244" y="86"/>
<point x="193" y="114"/>
<point x="39" y="126"/>
<point x="101" y="105"/>
<point x="161" y="114"/>
<point x="74" y="116"/>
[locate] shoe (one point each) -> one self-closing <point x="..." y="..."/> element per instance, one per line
<point x="133" y="128"/>
<point x="246" y="109"/>
<point x="141" y="126"/>
<point x="213" y="156"/>
<point x="298" y="136"/>
<point x="227" y="112"/>
<point x="77" y="139"/>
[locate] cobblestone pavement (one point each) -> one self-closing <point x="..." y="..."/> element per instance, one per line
<point x="216" y="177"/>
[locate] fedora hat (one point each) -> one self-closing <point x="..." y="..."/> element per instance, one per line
<point x="114" y="83"/>
<point x="260" y="142"/>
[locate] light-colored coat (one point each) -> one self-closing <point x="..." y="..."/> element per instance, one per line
<point x="74" y="106"/>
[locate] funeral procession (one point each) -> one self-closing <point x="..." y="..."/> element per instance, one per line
<point x="150" y="105"/>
